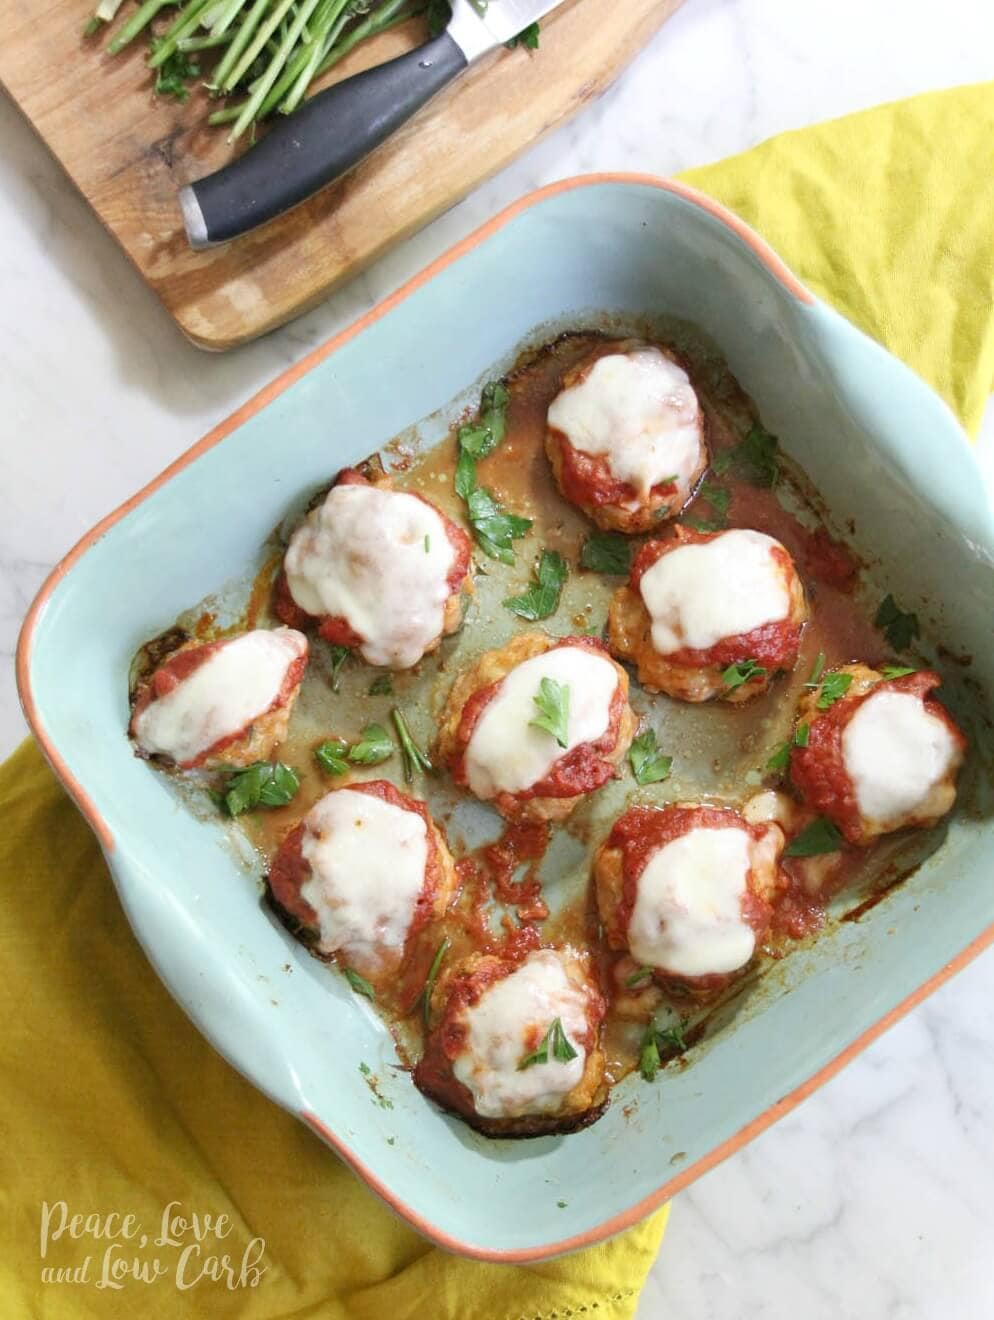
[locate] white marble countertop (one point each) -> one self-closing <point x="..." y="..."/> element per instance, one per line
<point x="872" y="1201"/>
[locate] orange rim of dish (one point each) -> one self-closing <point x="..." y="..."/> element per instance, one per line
<point x="262" y="399"/>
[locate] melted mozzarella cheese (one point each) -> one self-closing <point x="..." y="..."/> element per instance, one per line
<point x="639" y="412"/>
<point x="367" y="860"/>
<point x="506" y="753"/>
<point x="687" y="917"/>
<point x="895" y="752"/>
<point x="379" y="559"/>
<point x="699" y="594"/>
<point x="506" y="1024"/>
<point x="234" y="686"/>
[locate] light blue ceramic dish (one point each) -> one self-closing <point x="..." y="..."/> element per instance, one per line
<point x="884" y="451"/>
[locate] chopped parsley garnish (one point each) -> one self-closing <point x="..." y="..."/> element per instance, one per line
<point x="780" y="759"/>
<point x="359" y="984"/>
<point x="427" y="544"/>
<point x="833" y="688"/>
<point x="670" y="1038"/>
<point x="436" y="963"/>
<point x="649" y="765"/>
<point x="817" y="669"/>
<point x="719" y="499"/>
<point x="607" y="552"/>
<point x="753" y="459"/>
<point x="264" y="784"/>
<point x="374" y="746"/>
<point x="495" y="529"/>
<point x="821" y="836"/>
<point x="899" y="628"/>
<point x="556" y="1040"/>
<point x="174" y="73"/>
<point x="339" y="654"/>
<point x="333" y="756"/>
<point x="382" y="686"/>
<point x="542" y="597"/>
<point x="527" y="37"/>
<point x="415" y="760"/>
<point x="801" y="734"/>
<point x="561" y="1205"/>
<point x="898" y="671"/>
<point x="741" y="672"/>
<point x="642" y="976"/>
<point x="552" y="700"/>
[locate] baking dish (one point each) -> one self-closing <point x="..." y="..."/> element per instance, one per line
<point x="868" y="433"/>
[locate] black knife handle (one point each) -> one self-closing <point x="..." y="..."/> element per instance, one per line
<point x="319" y="142"/>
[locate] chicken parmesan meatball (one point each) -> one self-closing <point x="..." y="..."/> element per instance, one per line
<point x="223" y="703"/>
<point x="686" y="891"/>
<point x="626" y="436"/>
<point x="515" y="1049"/>
<point x="882" y="757"/>
<point x="378" y="570"/>
<point x="361" y="874"/>
<point x="490" y="739"/>
<point x="709" y="614"/>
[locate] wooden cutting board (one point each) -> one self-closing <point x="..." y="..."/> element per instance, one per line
<point x="129" y="152"/>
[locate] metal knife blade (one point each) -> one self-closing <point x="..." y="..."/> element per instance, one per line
<point x="479" y="27"/>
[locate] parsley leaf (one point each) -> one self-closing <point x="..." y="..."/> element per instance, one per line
<point x="801" y="734"/>
<point x="552" y="701"/>
<point x="426" y="993"/>
<point x="172" y="76"/>
<point x="817" y="669"/>
<point x="528" y="38"/>
<point x="359" y="983"/>
<point x="265" y="784"/>
<point x="753" y="459"/>
<point x="833" y="688"/>
<point x="438" y="15"/>
<point x="719" y="499"/>
<point x="741" y="672"/>
<point x="374" y="746"/>
<point x="607" y="552"/>
<point x="780" y="759"/>
<point x="495" y="530"/>
<point x="493" y="409"/>
<point x="821" y="836"/>
<point x="556" y="1040"/>
<point x="381" y="686"/>
<point x="898" y="671"/>
<point x="415" y="760"/>
<point x="649" y="765"/>
<point x="339" y="654"/>
<point x="542" y="597"/>
<point x="332" y="756"/>
<point x="899" y="628"/>
<point x="670" y="1038"/>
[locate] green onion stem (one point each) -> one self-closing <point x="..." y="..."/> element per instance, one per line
<point x="226" y="15"/>
<point x="246" y="29"/>
<point x="184" y="24"/>
<point x="272" y="73"/>
<point x="298" y="74"/>
<point x="385" y="17"/>
<point x="138" y="20"/>
<point x="203" y="43"/>
<point x="247" y="58"/>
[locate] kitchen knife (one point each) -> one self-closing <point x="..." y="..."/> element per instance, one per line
<point x="335" y="130"/>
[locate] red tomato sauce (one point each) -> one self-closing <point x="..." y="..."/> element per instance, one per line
<point x="582" y="770"/>
<point x="818" y="771"/>
<point x="773" y="645"/>
<point x="523" y="841"/>
<point x="587" y="479"/>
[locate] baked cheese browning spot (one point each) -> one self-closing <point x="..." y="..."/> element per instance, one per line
<point x="383" y="567"/>
<point x="226" y="701"/>
<point x="709" y="614"/>
<point x="364" y="870"/>
<point x="881" y="757"/>
<point x="685" y="890"/>
<point x="626" y="436"/>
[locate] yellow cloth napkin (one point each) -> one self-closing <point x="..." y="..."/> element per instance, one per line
<point x="114" y="1104"/>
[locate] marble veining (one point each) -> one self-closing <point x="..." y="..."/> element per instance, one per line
<point x="872" y="1201"/>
